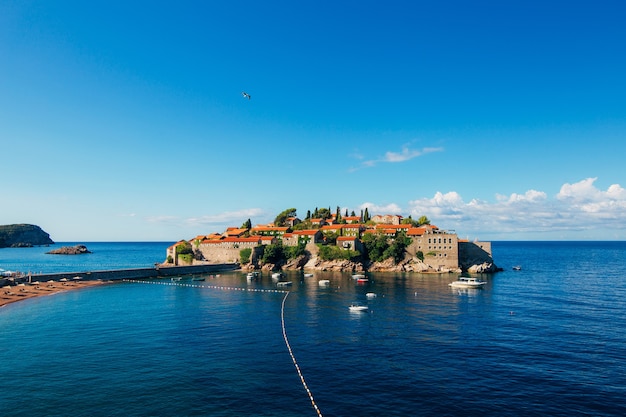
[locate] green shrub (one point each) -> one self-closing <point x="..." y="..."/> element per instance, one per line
<point x="186" y="258"/>
<point x="184" y="248"/>
<point x="244" y="255"/>
<point x="331" y="253"/>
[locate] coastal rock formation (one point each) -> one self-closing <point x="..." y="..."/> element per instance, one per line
<point x="70" y="250"/>
<point x="23" y="235"/>
<point x="485" y="267"/>
<point x="336" y="265"/>
<point x="408" y="265"/>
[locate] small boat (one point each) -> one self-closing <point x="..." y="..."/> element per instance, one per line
<point x="517" y="268"/>
<point x="252" y="276"/>
<point x="357" y="307"/>
<point x="358" y="276"/>
<point x="361" y="280"/>
<point x="468" y="282"/>
<point x="277" y="275"/>
<point x="198" y="279"/>
<point x="176" y="279"/>
<point x="324" y="282"/>
<point x="308" y="275"/>
<point x="284" y="284"/>
<point x="370" y="295"/>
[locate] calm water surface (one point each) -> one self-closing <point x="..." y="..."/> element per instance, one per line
<point x="547" y="340"/>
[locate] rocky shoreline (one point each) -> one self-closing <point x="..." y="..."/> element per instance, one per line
<point x="313" y="263"/>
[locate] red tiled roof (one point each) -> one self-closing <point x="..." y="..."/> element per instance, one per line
<point x="232" y="240"/>
<point x="305" y="232"/>
<point x="269" y="228"/>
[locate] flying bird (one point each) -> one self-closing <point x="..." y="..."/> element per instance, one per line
<point x="245" y="95"/>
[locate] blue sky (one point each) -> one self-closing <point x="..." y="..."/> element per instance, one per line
<point x="500" y="120"/>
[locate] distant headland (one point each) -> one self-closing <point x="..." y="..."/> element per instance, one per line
<point x="23" y="236"/>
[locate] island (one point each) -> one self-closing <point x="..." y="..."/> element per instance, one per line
<point x="23" y="235"/>
<point x="333" y="241"/>
<point x="70" y="250"/>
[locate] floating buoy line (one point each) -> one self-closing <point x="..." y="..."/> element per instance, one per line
<point x="282" y="320"/>
<point x="293" y="358"/>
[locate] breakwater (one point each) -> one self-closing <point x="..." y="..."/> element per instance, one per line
<point x="135" y="273"/>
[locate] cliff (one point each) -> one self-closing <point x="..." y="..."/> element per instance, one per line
<point x="23" y="235"/>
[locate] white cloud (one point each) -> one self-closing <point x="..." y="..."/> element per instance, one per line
<point x="226" y="218"/>
<point x="376" y="209"/>
<point x="577" y="208"/>
<point x="405" y="154"/>
<point x="408" y="154"/>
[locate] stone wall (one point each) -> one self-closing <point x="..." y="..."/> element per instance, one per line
<point x="136" y="273"/>
<point x="474" y="253"/>
<point x="440" y="250"/>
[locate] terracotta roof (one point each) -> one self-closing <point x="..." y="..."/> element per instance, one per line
<point x="305" y="232"/>
<point x="347" y="238"/>
<point x="232" y="240"/>
<point x="234" y="231"/>
<point x="269" y="228"/>
<point x="332" y="227"/>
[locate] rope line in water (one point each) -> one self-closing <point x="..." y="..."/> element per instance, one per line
<point x="282" y="320"/>
<point x="293" y="358"/>
<point x="214" y="287"/>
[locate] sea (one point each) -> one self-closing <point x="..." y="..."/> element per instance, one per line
<point x="547" y="340"/>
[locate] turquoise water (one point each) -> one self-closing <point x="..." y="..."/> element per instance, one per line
<point x="547" y="340"/>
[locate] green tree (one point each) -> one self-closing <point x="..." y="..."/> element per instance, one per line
<point x="292" y="252"/>
<point x="330" y="253"/>
<point x="366" y="216"/>
<point x="397" y="249"/>
<point x="281" y="219"/>
<point x="423" y="220"/>
<point x="410" y="221"/>
<point x="184" y="248"/>
<point x="244" y="255"/>
<point x="273" y="254"/>
<point x="323" y="213"/>
<point x="247" y="224"/>
<point x="375" y="246"/>
<point x="331" y="237"/>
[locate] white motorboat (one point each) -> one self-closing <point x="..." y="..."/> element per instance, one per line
<point x="468" y="282"/>
<point x="357" y="307"/>
<point x="358" y="276"/>
<point x="284" y="284"/>
<point x="324" y="282"/>
<point x="277" y="275"/>
<point x="308" y="275"/>
<point x="517" y="268"/>
<point x="252" y="276"/>
<point x="370" y="295"/>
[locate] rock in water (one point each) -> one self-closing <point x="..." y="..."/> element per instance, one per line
<point x="70" y="250"/>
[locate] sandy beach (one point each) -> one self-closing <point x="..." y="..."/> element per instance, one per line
<point x="13" y="293"/>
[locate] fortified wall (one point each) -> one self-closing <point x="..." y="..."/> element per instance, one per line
<point x="474" y="253"/>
